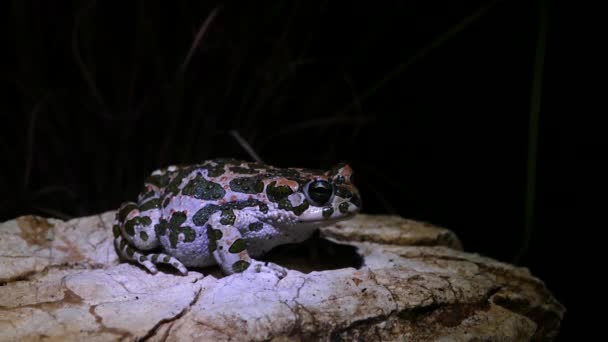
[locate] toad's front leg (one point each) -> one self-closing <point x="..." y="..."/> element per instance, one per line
<point x="230" y="249"/>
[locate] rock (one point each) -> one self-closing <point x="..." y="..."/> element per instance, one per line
<point x="405" y="280"/>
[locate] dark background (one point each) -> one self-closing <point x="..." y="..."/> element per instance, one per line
<point x="430" y="103"/>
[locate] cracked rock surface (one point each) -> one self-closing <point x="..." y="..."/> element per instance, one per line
<point x="62" y="281"/>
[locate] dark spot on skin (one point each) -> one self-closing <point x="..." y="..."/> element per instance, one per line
<point x="213" y="235"/>
<point x="116" y="230"/>
<point x="137" y="220"/>
<point x="287" y="173"/>
<point x="240" y="266"/>
<point x="256" y="165"/>
<point x="142" y="258"/>
<point x="147" y="194"/>
<point x="339" y="180"/>
<point x="202" y="215"/>
<point x="155" y="180"/>
<point x="247" y="203"/>
<point x="227" y="217"/>
<point x="238" y="246"/>
<point x="151" y="204"/>
<point x="218" y="169"/>
<point x="176" y="180"/>
<point x="336" y="169"/>
<point x="160" y="181"/>
<point x="130" y="252"/>
<point x="256" y="226"/>
<point x="239" y="169"/>
<point x="154" y="258"/>
<point x="161" y="228"/>
<point x="327" y="211"/>
<point x="298" y="210"/>
<point x="277" y="193"/>
<point x="166" y="259"/>
<point x="343" y="192"/>
<point x="247" y="185"/>
<point x="143" y="235"/>
<point x="201" y="188"/>
<point x="166" y="202"/>
<point x="123" y="243"/>
<point x="343" y="207"/>
<point x="124" y="211"/>
<point x="175" y="229"/>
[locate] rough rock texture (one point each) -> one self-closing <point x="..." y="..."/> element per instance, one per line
<point x="401" y="280"/>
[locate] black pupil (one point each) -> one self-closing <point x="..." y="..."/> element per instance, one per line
<point x="320" y="192"/>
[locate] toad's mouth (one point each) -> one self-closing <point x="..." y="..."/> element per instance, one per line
<point x="316" y="217"/>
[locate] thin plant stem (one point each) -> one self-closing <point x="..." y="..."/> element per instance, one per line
<point x="535" y="101"/>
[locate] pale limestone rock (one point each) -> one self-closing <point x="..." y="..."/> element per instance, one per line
<point x="62" y="281"/>
<point x="30" y="244"/>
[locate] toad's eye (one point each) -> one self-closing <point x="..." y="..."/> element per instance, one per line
<point x="319" y="192"/>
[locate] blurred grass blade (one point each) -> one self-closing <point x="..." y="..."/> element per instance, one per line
<point x="197" y="40"/>
<point x="533" y="127"/>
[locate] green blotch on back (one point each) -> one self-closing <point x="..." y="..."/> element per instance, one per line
<point x="218" y="169"/>
<point x="277" y="193"/>
<point x="286" y="173"/>
<point x="124" y="211"/>
<point x="176" y="180"/>
<point x="203" y="189"/>
<point x="247" y="185"/>
<point x="238" y="246"/>
<point x="247" y="203"/>
<point x="159" y="181"/>
<point x="143" y="235"/>
<point x="136" y="221"/>
<point x="147" y="194"/>
<point x="227" y="217"/>
<point x="240" y="266"/>
<point x="240" y="169"/>
<point x="343" y="207"/>
<point x="151" y="204"/>
<point x="202" y="215"/>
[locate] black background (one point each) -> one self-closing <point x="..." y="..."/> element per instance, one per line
<point x="430" y="103"/>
